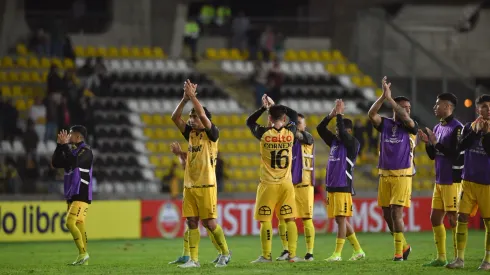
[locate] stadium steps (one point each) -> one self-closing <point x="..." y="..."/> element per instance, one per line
<point x="236" y="88"/>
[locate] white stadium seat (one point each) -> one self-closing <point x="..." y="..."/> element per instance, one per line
<point x="135" y="119"/>
<point x="139" y="147"/>
<point x="227" y="66"/>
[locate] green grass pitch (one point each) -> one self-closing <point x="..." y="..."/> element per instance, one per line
<point x="150" y="256"/>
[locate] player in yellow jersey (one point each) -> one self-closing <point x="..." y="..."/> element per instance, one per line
<point x="303" y="179"/>
<point x="275" y="191"/>
<point x="200" y="191"/>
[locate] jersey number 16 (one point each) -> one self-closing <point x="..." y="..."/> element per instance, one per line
<point x="277" y="157"/>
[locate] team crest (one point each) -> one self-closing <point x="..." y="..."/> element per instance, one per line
<point x="393" y="130"/>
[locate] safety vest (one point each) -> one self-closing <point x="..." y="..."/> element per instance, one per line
<point x="222" y="14"/>
<point x="191" y="29"/>
<point x="207" y="14"/>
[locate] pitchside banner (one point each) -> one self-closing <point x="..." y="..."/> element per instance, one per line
<point x="162" y="218"/>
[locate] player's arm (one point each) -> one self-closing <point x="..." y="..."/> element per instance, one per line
<point x="177" y="151"/>
<point x="430" y="150"/>
<point x="84" y="159"/>
<point x="403" y="115"/>
<point x="252" y="124"/>
<point x="304" y="137"/>
<point x="451" y="151"/>
<point x="200" y="111"/>
<point x="467" y="138"/>
<point x="373" y="115"/>
<point x="486" y="143"/>
<point x="60" y="156"/>
<point x="346" y="138"/>
<point x="323" y="131"/>
<point x="177" y="115"/>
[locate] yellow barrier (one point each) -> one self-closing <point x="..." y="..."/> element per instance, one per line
<point x="45" y="220"/>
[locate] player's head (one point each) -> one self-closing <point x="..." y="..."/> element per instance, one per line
<point x="78" y="133"/>
<point x="404" y="103"/>
<point x="445" y="105"/>
<point x="483" y="106"/>
<point x="194" y="120"/>
<point x="347" y="125"/>
<point x="301" y="122"/>
<point x="277" y="114"/>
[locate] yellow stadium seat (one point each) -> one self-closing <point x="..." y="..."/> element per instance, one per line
<point x="57" y="62"/>
<point x="155" y="160"/>
<point x="113" y="52"/>
<point x="236" y="133"/>
<point x="228" y="187"/>
<point x="22" y="62"/>
<point x="167" y="161"/>
<point x="379" y="92"/>
<point x="151" y="146"/>
<point x="238" y="174"/>
<point x="331" y="68"/>
<point x="352" y="69"/>
<point x="25" y="77"/>
<point x="253" y="146"/>
<point x="231" y="147"/>
<point x="135" y="52"/>
<point x="146" y="52"/>
<point x="34" y="63"/>
<point x="149" y="133"/>
<point x="20" y="105"/>
<point x="367" y="81"/>
<point x="101" y="51"/>
<point x="157" y="120"/>
<point x="30" y="102"/>
<point x="13" y="76"/>
<point x="160" y="173"/>
<point x="234" y="161"/>
<point x="225" y="134"/>
<point x="6" y="91"/>
<point x="80" y="51"/>
<point x="341" y="68"/>
<point x="124" y="51"/>
<point x="241" y="187"/>
<point x="314" y="55"/>
<point x="68" y="63"/>
<point x="291" y="55"/>
<point x="167" y="120"/>
<point x="250" y="174"/>
<point x="241" y="147"/>
<point x="159" y="133"/>
<point x="44" y="76"/>
<point x="17" y="91"/>
<point x="337" y="55"/>
<point x="303" y="55"/>
<point x="163" y="147"/>
<point x="91" y="51"/>
<point x="172" y="133"/>
<point x="220" y="120"/>
<point x="21" y="49"/>
<point x="223" y="54"/>
<point x="235" y="120"/>
<point x="7" y="62"/>
<point x="326" y="56"/>
<point x="235" y="54"/>
<point x="356" y="81"/>
<point x="147" y="119"/>
<point x="45" y="63"/>
<point x="158" y="52"/>
<point x="38" y="91"/>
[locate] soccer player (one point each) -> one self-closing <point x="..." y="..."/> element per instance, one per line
<point x="475" y="142"/>
<point x="75" y="156"/>
<point x="275" y="191"/>
<point x="303" y="179"/>
<point x="200" y="191"/>
<point x="441" y="146"/>
<point x="344" y="148"/>
<point x="397" y="143"/>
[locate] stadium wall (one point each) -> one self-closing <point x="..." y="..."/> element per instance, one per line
<point x="133" y="219"/>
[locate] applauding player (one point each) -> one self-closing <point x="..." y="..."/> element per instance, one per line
<point x="344" y="149"/>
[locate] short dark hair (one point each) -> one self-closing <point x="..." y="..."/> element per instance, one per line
<point x="449" y="97"/>
<point x="277" y="112"/>
<point x="347" y="123"/>
<point x="399" y="99"/>
<point x="79" y="129"/>
<point x="206" y="112"/>
<point x="482" y="99"/>
<point x="301" y="115"/>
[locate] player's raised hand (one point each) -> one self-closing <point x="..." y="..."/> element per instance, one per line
<point x="265" y="103"/>
<point x="190" y="89"/>
<point x="175" y="148"/>
<point x="63" y="137"/>
<point x="270" y="101"/>
<point x="423" y="137"/>
<point x="432" y="137"/>
<point x="477" y="125"/>
<point x="385" y="85"/>
<point x="339" y="107"/>
<point x="334" y="110"/>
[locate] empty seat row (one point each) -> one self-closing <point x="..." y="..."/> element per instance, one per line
<point x="113" y="52"/>
<point x="160" y="91"/>
<point x="171" y="132"/>
<point x="247" y="67"/>
<point x="110" y="118"/>
<point x="109" y="105"/>
<point x="315" y="106"/>
<point x="16" y="147"/>
<point x="22" y="91"/>
<point x="33" y="62"/>
<point x="142" y="65"/>
<point x="118" y="187"/>
<point x="321" y="92"/>
<point x="117" y="161"/>
<point x="111" y="132"/>
<point x="124" y="174"/>
<point x="115" y="146"/>
<point x="159" y="120"/>
<point x="290" y="55"/>
<point x="215" y="106"/>
<point x="26" y="77"/>
<point x="305" y="79"/>
<point x="159" y="77"/>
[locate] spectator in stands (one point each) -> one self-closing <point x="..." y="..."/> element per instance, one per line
<point x="51" y="104"/>
<point x="87" y="69"/>
<point x="55" y="82"/>
<point x="220" y="173"/>
<point x="37" y="113"/>
<point x="57" y="36"/>
<point x="99" y="77"/>
<point x="240" y="27"/>
<point x="64" y="117"/>
<point x="359" y="130"/>
<point x="259" y="78"/>
<point x="9" y="177"/>
<point x="191" y="37"/>
<point x="10" y="117"/>
<point x="253" y="39"/>
<point x="275" y="80"/>
<point x="30" y="175"/>
<point x="30" y="139"/>
<point x="71" y="85"/>
<point x="68" y="51"/>
<point x="267" y="42"/>
<point x="39" y="43"/>
<point x="279" y="46"/>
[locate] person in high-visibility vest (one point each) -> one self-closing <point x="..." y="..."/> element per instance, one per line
<point x="223" y="14"/>
<point x="207" y="14"/>
<point x="191" y="36"/>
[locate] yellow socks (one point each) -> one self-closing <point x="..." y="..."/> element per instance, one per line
<point x="76" y="234"/>
<point x="354" y="242"/>
<point x="266" y="239"/>
<point x="455" y="241"/>
<point x="213" y="240"/>
<point x="339" y="244"/>
<point x="194" y="239"/>
<point x="292" y="238"/>
<point x="440" y="241"/>
<point x="219" y="237"/>
<point x="487" y="241"/>
<point x="186" y="252"/>
<point x="283" y="233"/>
<point x="309" y="235"/>
<point x="398" y="240"/>
<point x="405" y="243"/>
<point x="461" y="238"/>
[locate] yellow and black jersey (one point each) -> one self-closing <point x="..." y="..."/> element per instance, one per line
<point x="275" y="147"/>
<point x="201" y="156"/>
<point x="303" y="173"/>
